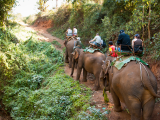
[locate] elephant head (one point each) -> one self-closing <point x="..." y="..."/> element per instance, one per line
<point x="65" y="42"/>
<point x="104" y="75"/>
<point x="76" y="55"/>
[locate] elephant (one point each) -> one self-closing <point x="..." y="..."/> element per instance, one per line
<point x="69" y="49"/>
<point x="134" y="84"/>
<point x="75" y="59"/>
<point x="90" y="62"/>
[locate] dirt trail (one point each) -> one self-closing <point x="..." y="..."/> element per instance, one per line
<point x="97" y="98"/>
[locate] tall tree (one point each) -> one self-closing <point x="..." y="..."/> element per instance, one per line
<point x="149" y="20"/>
<point x="42" y="5"/>
<point x="5" y="6"/>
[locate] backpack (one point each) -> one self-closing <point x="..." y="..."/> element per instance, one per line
<point x="104" y="44"/>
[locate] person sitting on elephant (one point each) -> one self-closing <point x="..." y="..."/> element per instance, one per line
<point x="74" y="31"/>
<point x="112" y="49"/>
<point x="96" y="41"/>
<point x="103" y="43"/>
<point x="69" y="32"/>
<point x="137" y="44"/>
<point x="124" y="41"/>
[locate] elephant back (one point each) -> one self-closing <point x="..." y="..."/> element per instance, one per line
<point x="121" y="62"/>
<point x="91" y="50"/>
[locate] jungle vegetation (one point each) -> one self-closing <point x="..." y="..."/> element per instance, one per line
<point x="33" y="84"/>
<point x="108" y="17"/>
<point x="31" y="71"/>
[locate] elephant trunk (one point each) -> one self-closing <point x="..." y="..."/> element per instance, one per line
<point x="147" y="83"/>
<point x="103" y="81"/>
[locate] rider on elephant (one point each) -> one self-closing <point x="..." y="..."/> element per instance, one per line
<point x="74" y="31"/>
<point x="124" y="41"/>
<point x="96" y="41"/>
<point x="69" y="32"/>
<point x="137" y="44"/>
<point x="112" y="49"/>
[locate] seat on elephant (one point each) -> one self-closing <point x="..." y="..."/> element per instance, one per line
<point x="69" y="38"/>
<point x="120" y="52"/>
<point x="91" y="50"/>
<point x="123" y="60"/>
<point x="94" y="46"/>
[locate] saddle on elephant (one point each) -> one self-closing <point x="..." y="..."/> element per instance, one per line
<point x="91" y="50"/>
<point x="122" y="61"/>
<point x="129" y="52"/>
<point x="71" y="38"/>
<point x="92" y="45"/>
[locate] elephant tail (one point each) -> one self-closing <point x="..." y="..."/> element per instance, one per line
<point x="147" y="82"/>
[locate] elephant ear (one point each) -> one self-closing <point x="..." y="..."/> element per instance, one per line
<point x="108" y="63"/>
<point x="76" y="54"/>
<point x="65" y="42"/>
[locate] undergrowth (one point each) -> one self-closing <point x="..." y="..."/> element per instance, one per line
<point x="56" y="43"/>
<point x="33" y="81"/>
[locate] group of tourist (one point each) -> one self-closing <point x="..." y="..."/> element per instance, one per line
<point x="123" y="42"/>
<point x="72" y="33"/>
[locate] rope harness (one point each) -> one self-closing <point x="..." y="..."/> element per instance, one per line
<point x="141" y="72"/>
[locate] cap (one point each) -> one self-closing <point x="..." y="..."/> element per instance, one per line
<point x="136" y="35"/>
<point x="121" y="31"/>
<point x="110" y="43"/>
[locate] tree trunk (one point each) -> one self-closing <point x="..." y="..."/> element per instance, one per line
<point x="149" y="21"/>
<point x="142" y="23"/>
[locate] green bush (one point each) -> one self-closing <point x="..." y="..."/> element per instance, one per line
<point x="93" y="114"/>
<point x="34" y="82"/>
<point x="30" y="19"/>
<point x="57" y="97"/>
<point x="56" y="43"/>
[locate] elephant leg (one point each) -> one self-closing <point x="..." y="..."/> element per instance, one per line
<point x="73" y="63"/>
<point x="117" y="104"/>
<point x="148" y="109"/>
<point x="96" y="84"/>
<point x="78" y="73"/>
<point x="135" y="110"/>
<point x="84" y="75"/>
<point x="66" y="56"/>
<point x="70" y="61"/>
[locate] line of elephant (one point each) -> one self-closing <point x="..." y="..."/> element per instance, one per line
<point x="135" y="87"/>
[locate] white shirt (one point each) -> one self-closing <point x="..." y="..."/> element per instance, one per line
<point x="69" y="31"/>
<point x="133" y="42"/>
<point x="98" y="39"/>
<point x="74" y="30"/>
